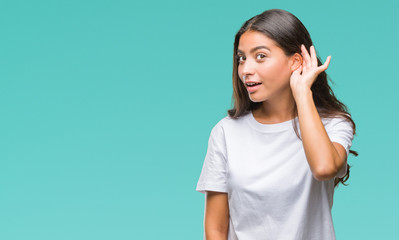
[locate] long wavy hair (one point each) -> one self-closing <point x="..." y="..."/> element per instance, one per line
<point x="289" y="33"/>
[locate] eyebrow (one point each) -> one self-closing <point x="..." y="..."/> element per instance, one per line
<point x="254" y="49"/>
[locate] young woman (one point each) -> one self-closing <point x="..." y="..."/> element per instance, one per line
<point x="272" y="164"/>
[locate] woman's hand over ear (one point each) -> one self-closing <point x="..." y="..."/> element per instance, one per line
<point x="303" y="77"/>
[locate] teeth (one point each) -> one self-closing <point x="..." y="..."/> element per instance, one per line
<point x="251" y="84"/>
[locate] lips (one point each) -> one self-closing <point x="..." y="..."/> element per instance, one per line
<point x="251" y="83"/>
<point x="252" y="86"/>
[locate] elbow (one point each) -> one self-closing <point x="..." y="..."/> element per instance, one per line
<point x="215" y="235"/>
<point x="325" y="173"/>
<point x="216" y="231"/>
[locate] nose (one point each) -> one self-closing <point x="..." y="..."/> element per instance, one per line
<point x="247" y="68"/>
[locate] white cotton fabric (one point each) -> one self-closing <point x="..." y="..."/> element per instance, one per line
<point x="272" y="193"/>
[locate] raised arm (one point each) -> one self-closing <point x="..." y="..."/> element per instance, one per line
<point x="325" y="158"/>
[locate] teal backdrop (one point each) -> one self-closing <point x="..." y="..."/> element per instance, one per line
<point x="107" y="106"/>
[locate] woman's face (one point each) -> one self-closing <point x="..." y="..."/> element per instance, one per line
<point x="262" y="61"/>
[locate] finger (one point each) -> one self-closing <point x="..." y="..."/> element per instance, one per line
<point x="327" y="62"/>
<point x="304" y="66"/>
<point x="325" y="65"/>
<point x="297" y="72"/>
<point x="313" y="56"/>
<point x="306" y="56"/>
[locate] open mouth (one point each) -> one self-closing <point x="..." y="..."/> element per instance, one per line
<point x="252" y="84"/>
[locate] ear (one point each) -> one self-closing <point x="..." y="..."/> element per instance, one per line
<point x="296" y="61"/>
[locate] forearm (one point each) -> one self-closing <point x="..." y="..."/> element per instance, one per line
<point x="215" y="235"/>
<point x="320" y="152"/>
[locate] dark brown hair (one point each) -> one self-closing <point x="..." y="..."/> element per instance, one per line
<point x="289" y="33"/>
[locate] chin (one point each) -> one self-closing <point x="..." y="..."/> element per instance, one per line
<point x="256" y="99"/>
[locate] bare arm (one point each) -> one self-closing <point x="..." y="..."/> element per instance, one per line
<point x="325" y="158"/>
<point x="216" y="215"/>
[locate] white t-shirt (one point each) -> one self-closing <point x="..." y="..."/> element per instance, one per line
<point x="272" y="193"/>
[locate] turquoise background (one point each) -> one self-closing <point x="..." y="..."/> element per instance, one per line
<point x="106" y="109"/>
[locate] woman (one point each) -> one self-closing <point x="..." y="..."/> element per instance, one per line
<point x="272" y="164"/>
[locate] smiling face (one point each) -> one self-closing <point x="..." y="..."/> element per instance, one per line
<point x="262" y="61"/>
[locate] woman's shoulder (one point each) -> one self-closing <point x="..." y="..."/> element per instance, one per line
<point x="227" y="120"/>
<point x="333" y="116"/>
<point x="228" y="123"/>
<point x="339" y="119"/>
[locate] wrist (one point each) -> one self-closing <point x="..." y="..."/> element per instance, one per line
<point x="303" y="93"/>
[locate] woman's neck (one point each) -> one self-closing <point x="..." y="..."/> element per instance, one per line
<point x="276" y="110"/>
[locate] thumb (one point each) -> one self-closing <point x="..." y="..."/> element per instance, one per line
<point x="325" y="65"/>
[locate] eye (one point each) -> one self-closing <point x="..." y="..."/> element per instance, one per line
<point x="239" y="58"/>
<point x="261" y="55"/>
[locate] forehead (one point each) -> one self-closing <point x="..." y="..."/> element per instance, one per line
<point x="251" y="39"/>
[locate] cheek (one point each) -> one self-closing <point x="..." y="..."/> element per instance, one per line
<point x="276" y="72"/>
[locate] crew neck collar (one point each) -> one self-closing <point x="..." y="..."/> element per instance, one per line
<point x="275" y="127"/>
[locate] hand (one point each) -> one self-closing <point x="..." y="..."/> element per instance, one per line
<point x="304" y="76"/>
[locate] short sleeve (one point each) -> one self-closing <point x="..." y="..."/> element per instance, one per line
<point x="341" y="131"/>
<point x="214" y="170"/>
